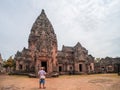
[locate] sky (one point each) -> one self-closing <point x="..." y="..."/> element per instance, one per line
<point x="93" y="23"/>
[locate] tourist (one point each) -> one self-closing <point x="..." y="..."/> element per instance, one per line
<point x="42" y="74"/>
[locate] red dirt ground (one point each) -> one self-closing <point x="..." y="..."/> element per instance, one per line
<point x="73" y="82"/>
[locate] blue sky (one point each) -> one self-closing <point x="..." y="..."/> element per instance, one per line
<point x="93" y="23"/>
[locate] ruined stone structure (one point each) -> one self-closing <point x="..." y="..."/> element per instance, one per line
<point x="42" y="47"/>
<point x="107" y="65"/>
<point x="75" y="60"/>
<point x="1" y="62"/>
<point x="42" y="51"/>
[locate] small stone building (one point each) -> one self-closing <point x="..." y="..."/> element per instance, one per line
<point x="75" y="60"/>
<point x="107" y="65"/>
<point x="43" y="51"/>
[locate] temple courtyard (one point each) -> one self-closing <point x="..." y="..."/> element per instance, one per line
<point x="65" y="82"/>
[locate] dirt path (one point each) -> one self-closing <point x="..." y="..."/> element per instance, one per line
<point x="79" y="82"/>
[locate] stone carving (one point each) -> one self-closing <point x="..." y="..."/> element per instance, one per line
<point x="42" y="47"/>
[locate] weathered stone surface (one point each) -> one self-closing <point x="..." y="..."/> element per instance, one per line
<point x="75" y="60"/>
<point x="42" y="47"/>
<point x="42" y="51"/>
<point x="1" y="62"/>
<point x="107" y="65"/>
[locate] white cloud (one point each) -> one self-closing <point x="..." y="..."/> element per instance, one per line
<point x="93" y="23"/>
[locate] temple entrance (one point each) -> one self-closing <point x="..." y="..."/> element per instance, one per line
<point x="20" y="67"/>
<point x="80" y="67"/>
<point x="44" y="64"/>
<point x="60" y="68"/>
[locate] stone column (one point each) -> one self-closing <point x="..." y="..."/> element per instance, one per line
<point x="37" y="65"/>
<point x="17" y="65"/>
<point x="83" y="68"/>
<point x="92" y="66"/>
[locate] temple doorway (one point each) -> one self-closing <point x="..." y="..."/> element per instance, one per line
<point x="44" y="64"/>
<point x="80" y="67"/>
<point x="60" y="68"/>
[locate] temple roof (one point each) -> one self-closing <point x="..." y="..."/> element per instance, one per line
<point x="42" y="22"/>
<point x="42" y="36"/>
<point x="78" y="44"/>
<point x="67" y="48"/>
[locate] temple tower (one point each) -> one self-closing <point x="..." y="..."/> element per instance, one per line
<point x="43" y="44"/>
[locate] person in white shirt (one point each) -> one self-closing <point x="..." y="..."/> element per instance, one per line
<point x="41" y="74"/>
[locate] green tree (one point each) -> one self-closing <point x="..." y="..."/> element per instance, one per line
<point x="10" y="63"/>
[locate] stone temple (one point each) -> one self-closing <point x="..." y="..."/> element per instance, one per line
<point x="43" y="51"/>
